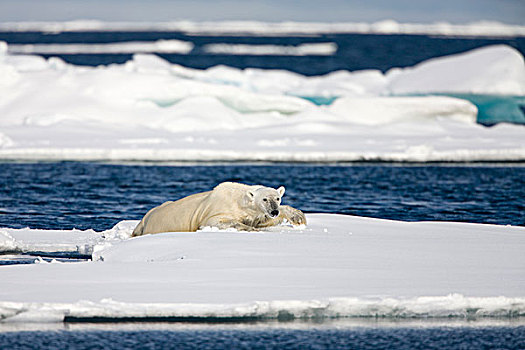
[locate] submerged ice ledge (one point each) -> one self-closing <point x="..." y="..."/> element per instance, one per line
<point x="108" y="310"/>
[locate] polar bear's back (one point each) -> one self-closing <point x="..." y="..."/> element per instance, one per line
<point x="233" y="190"/>
<point x="174" y="216"/>
<point x="226" y="200"/>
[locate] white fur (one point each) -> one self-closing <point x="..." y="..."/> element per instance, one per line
<point x="229" y="205"/>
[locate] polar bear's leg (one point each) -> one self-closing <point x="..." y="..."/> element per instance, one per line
<point x="223" y="223"/>
<point x="292" y="215"/>
<point x="139" y="229"/>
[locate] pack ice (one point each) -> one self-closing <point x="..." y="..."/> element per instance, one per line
<point x="149" y="109"/>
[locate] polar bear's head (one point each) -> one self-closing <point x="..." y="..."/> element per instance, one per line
<point x="266" y="199"/>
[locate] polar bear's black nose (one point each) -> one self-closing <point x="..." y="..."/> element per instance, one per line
<point x="274" y="213"/>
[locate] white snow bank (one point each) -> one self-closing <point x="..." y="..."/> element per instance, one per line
<point x="319" y="49"/>
<point x="338" y="266"/>
<point x="482" y="28"/>
<point x="491" y="70"/>
<point x="160" y="46"/>
<point x="54" y="111"/>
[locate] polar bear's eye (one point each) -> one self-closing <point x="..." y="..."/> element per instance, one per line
<point x="264" y="199"/>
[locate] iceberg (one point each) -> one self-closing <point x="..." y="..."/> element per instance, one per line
<point x="337" y="266"/>
<point x="496" y="69"/>
<point x="51" y="110"/>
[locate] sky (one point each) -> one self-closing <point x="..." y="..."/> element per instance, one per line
<point x="412" y="11"/>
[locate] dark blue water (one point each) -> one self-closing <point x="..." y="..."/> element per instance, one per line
<point x="280" y="338"/>
<point x="355" y="51"/>
<point x="89" y="195"/>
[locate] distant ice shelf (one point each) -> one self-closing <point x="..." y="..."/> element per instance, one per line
<point x="481" y="28"/>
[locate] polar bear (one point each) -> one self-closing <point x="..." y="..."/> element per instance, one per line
<point x="228" y="205"/>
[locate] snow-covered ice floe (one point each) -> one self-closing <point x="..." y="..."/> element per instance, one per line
<point x="320" y="49"/>
<point x="159" y="46"/>
<point x="149" y="109"/>
<point x="338" y="266"/>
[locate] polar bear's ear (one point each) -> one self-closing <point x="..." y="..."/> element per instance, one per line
<point x="248" y="199"/>
<point x="281" y="191"/>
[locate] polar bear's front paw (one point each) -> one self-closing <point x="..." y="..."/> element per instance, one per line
<point x="298" y="219"/>
<point x="293" y="216"/>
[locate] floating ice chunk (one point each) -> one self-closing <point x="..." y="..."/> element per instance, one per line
<point x="72" y="241"/>
<point x="30" y="240"/>
<point x="39" y="260"/>
<point x="7" y="242"/>
<point x="319" y="49"/>
<point x="160" y="46"/>
<point x="497" y="69"/>
<point x="384" y="110"/>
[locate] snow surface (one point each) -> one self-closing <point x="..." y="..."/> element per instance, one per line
<point x="337" y="266"/>
<point x="481" y="28"/>
<point x="149" y="109"/>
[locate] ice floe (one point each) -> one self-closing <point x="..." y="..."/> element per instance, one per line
<point x="319" y="49"/>
<point x="159" y="46"/>
<point x="336" y="266"/>
<point x="53" y="110"/>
